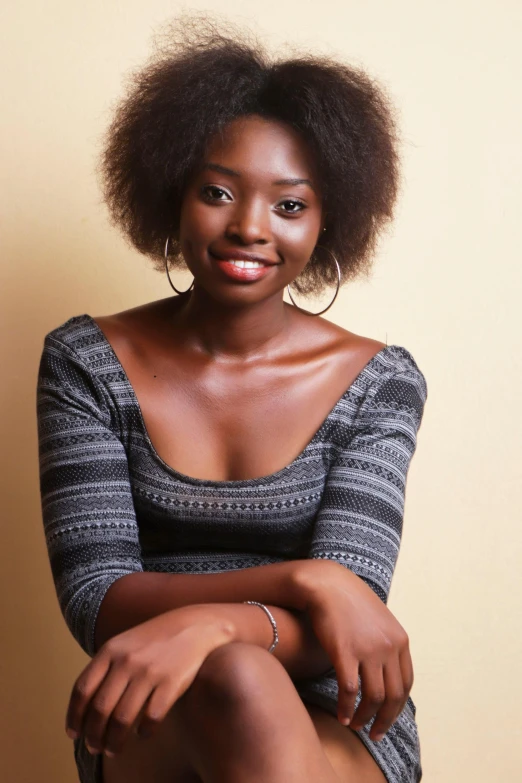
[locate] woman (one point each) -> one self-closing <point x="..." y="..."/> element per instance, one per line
<point x="220" y="446"/>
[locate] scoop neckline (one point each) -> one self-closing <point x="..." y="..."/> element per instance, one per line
<point x="235" y="483"/>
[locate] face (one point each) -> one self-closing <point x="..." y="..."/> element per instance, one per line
<point x="256" y="200"/>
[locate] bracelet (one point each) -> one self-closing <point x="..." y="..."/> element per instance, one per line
<point x="271" y="618"/>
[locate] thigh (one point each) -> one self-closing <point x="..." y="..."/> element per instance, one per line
<point x="165" y="758"/>
<point x="344" y="749"/>
<point x="271" y="708"/>
<point x="160" y="758"/>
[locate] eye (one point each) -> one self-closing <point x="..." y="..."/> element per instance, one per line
<point x="293" y="206"/>
<point x="213" y="193"/>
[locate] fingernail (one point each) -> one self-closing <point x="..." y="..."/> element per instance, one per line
<point x="109" y="753"/>
<point x="72" y="734"/>
<point x="346" y="721"/>
<point x="378" y="737"/>
<point x="92" y="750"/>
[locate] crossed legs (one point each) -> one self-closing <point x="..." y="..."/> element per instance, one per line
<point x="242" y="721"/>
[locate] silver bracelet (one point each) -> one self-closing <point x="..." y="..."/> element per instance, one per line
<point x="271" y="618"/>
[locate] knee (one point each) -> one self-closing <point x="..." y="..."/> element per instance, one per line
<point x="233" y="675"/>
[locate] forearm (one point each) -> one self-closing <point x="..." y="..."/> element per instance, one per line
<point x="135" y="598"/>
<point x="297" y="650"/>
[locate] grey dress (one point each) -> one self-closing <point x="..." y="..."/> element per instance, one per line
<point x="111" y="506"/>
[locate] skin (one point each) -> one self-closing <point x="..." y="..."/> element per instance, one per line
<point x="243" y="720"/>
<point x="233" y="365"/>
<point x="214" y="364"/>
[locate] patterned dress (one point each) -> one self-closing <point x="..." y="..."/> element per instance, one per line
<point x="111" y="506"/>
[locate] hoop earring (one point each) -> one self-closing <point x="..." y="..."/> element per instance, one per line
<point x="336" y="292"/>
<point x="167" y="271"/>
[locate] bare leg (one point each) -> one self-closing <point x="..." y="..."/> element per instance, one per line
<point x="242" y="721"/>
<point x="246" y="722"/>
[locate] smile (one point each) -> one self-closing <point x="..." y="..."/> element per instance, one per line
<point x="240" y="269"/>
<point x="246" y="264"/>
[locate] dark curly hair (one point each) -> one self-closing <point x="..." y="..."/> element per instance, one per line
<point x="206" y="73"/>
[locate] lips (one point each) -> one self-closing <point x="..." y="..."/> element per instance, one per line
<point x="241" y="255"/>
<point x="223" y="260"/>
<point x="231" y="271"/>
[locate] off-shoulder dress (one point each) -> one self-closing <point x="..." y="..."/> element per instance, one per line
<point x="111" y="506"/>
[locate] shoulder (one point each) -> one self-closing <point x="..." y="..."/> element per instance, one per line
<point x="82" y="334"/>
<point x="396" y="393"/>
<point x="71" y="338"/>
<point x="140" y="330"/>
<point x="399" y="375"/>
<point x="377" y="371"/>
<point x="389" y="376"/>
<point x="76" y="354"/>
<point x="69" y="369"/>
<point x="346" y="349"/>
<point x="388" y="363"/>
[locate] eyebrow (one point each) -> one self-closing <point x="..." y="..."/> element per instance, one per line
<point x="232" y="173"/>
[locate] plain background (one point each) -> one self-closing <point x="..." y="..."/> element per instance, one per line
<point x="446" y="285"/>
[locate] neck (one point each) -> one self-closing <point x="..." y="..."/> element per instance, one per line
<point x="231" y="333"/>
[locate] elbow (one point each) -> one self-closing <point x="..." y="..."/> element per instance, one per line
<point x="81" y="602"/>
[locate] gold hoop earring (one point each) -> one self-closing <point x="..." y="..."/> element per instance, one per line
<point x="167" y="271"/>
<point x="336" y="292"/>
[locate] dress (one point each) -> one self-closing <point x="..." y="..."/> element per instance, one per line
<point x="111" y="506"/>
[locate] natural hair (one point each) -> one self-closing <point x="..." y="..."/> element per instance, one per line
<point x="206" y="74"/>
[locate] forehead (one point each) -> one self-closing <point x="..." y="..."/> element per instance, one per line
<point x="262" y="147"/>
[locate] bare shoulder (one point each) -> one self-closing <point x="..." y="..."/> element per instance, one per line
<point x="136" y="315"/>
<point x="358" y="344"/>
<point x="345" y="345"/>
<point x="127" y="328"/>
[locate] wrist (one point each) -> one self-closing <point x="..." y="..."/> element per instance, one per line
<point x="313" y="578"/>
<point x="248" y="623"/>
<point x="213" y="617"/>
<point x="273" y="623"/>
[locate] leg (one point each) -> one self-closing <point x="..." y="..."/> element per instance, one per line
<point x="157" y="759"/>
<point x="242" y="720"/>
<point x="246" y="722"/>
<point x="346" y="752"/>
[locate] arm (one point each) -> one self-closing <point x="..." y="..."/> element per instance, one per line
<point x="359" y="524"/>
<point x="135" y="598"/>
<point x="358" y="527"/>
<point x="92" y="533"/>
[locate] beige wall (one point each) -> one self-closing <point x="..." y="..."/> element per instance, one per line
<point x="446" y="286"/>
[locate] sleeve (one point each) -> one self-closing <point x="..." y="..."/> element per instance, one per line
<point x="88" y="513"/>
<point x="359" y="522"/>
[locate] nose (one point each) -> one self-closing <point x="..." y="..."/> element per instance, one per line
<point x="250" y="223"/>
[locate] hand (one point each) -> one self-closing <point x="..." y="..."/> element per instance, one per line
<point x="361" y="637"/>
<point x="149" y="666"/>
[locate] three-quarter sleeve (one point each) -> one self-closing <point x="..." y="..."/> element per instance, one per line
<point x="359" y="522"/>
<point x="88" y="513"/>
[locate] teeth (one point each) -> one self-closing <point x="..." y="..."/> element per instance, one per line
<point x="247" y="264"/>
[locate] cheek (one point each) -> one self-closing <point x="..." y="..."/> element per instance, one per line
<point x="198" y="228"/>
<point x="299" y="237"/>
<point x="198" y="223"/>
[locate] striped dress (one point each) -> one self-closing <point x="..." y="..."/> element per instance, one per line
<point x="111" y="506"/>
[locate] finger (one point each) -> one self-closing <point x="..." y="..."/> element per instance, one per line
<point x="84" y="688"/>
<point x="407" y="670"/>
<point x="348" y="680"/>
<point x="161" y="701"/>
<point x="406" y="667"/>
<point x="99" y="710"/>
<point x="126" y="714"/>
<point x="373" y="694"/>
<point x="392" y="704"/>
